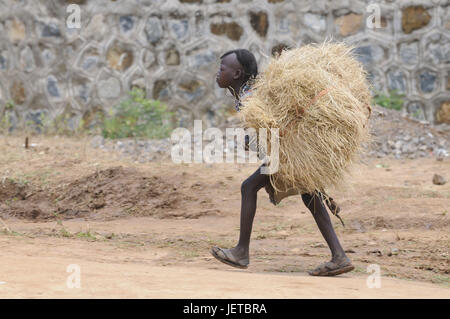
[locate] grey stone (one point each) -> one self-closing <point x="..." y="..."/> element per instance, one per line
<point x="439" y="179"/>
<point x="412" y="148"/>
<point x="441" y="154"/>
<point x="153" y="30"/>
<point x="427" y="80"/>
<point x="369" y="54"/>
<point x="82" y="89"/>
<point x="179" y="28"/>
<point x="52" y="86"/>
<point x="51" y="30"/>
<point x="3" y="60"/>
<point x="438" y="53"/>
<point x="48" y="57"/>
<point x="35" y="119"/>
<point x="405" y="148"/>
<point x="396" y="80"/>
<point x="89" y="63"/>
<point x="203" y="59"/>
<point x="315" y="22"/>
<point x="191" y="90"/>
<point x="409" y="52"/>
<point x="109" y="88"/>
<point x="283" y="25"/>
<point x="126" y="23"/>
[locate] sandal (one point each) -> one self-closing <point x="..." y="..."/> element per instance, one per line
<point x="332" y="269"/>
<point x="225" y="256"/>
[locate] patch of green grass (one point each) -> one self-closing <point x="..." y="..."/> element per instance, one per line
<point x="11" y="232"/>
<point x="5" y="117"/>
<point x="138" y="116"/>
<point x="64" y="233"/>
<point x="393" y="101"/>
<point x="261" y="236"/>
<point x="86" y="235"/>
<point x="20" y="180"/>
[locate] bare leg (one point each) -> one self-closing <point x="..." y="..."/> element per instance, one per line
<point x="315" y="204"/>
<point x="249" y="190"/>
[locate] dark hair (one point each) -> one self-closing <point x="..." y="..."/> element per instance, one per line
<point x="247" y="60"/>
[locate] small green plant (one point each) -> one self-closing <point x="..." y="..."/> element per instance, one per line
<point x="60" y="125"/>
<point x="64" y="233"/>
<point x="86" y="235"/>
<point x="138" y="117"/>
<point x="393" y="101"/>
<point x="5" y="119"/>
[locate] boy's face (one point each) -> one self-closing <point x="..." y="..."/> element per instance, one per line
<point x="229" y="72"/>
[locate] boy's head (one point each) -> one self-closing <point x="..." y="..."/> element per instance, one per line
<point x="236" y="67"/>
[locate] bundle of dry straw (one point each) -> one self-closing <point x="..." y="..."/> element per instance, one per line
<point x="319" y="98"/>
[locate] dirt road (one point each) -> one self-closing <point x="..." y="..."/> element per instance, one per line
<point x="145" y="230"/>
<point x="45" y="277"/>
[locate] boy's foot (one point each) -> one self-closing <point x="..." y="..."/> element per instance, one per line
<point x="227" y="257"/>
<point x="333" y="267"/>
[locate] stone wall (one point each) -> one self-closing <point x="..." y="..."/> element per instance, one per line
<point x="172" y="48"/>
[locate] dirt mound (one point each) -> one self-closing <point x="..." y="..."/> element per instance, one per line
<point x="106" y="194"/>
<point x="11" y="190"/>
